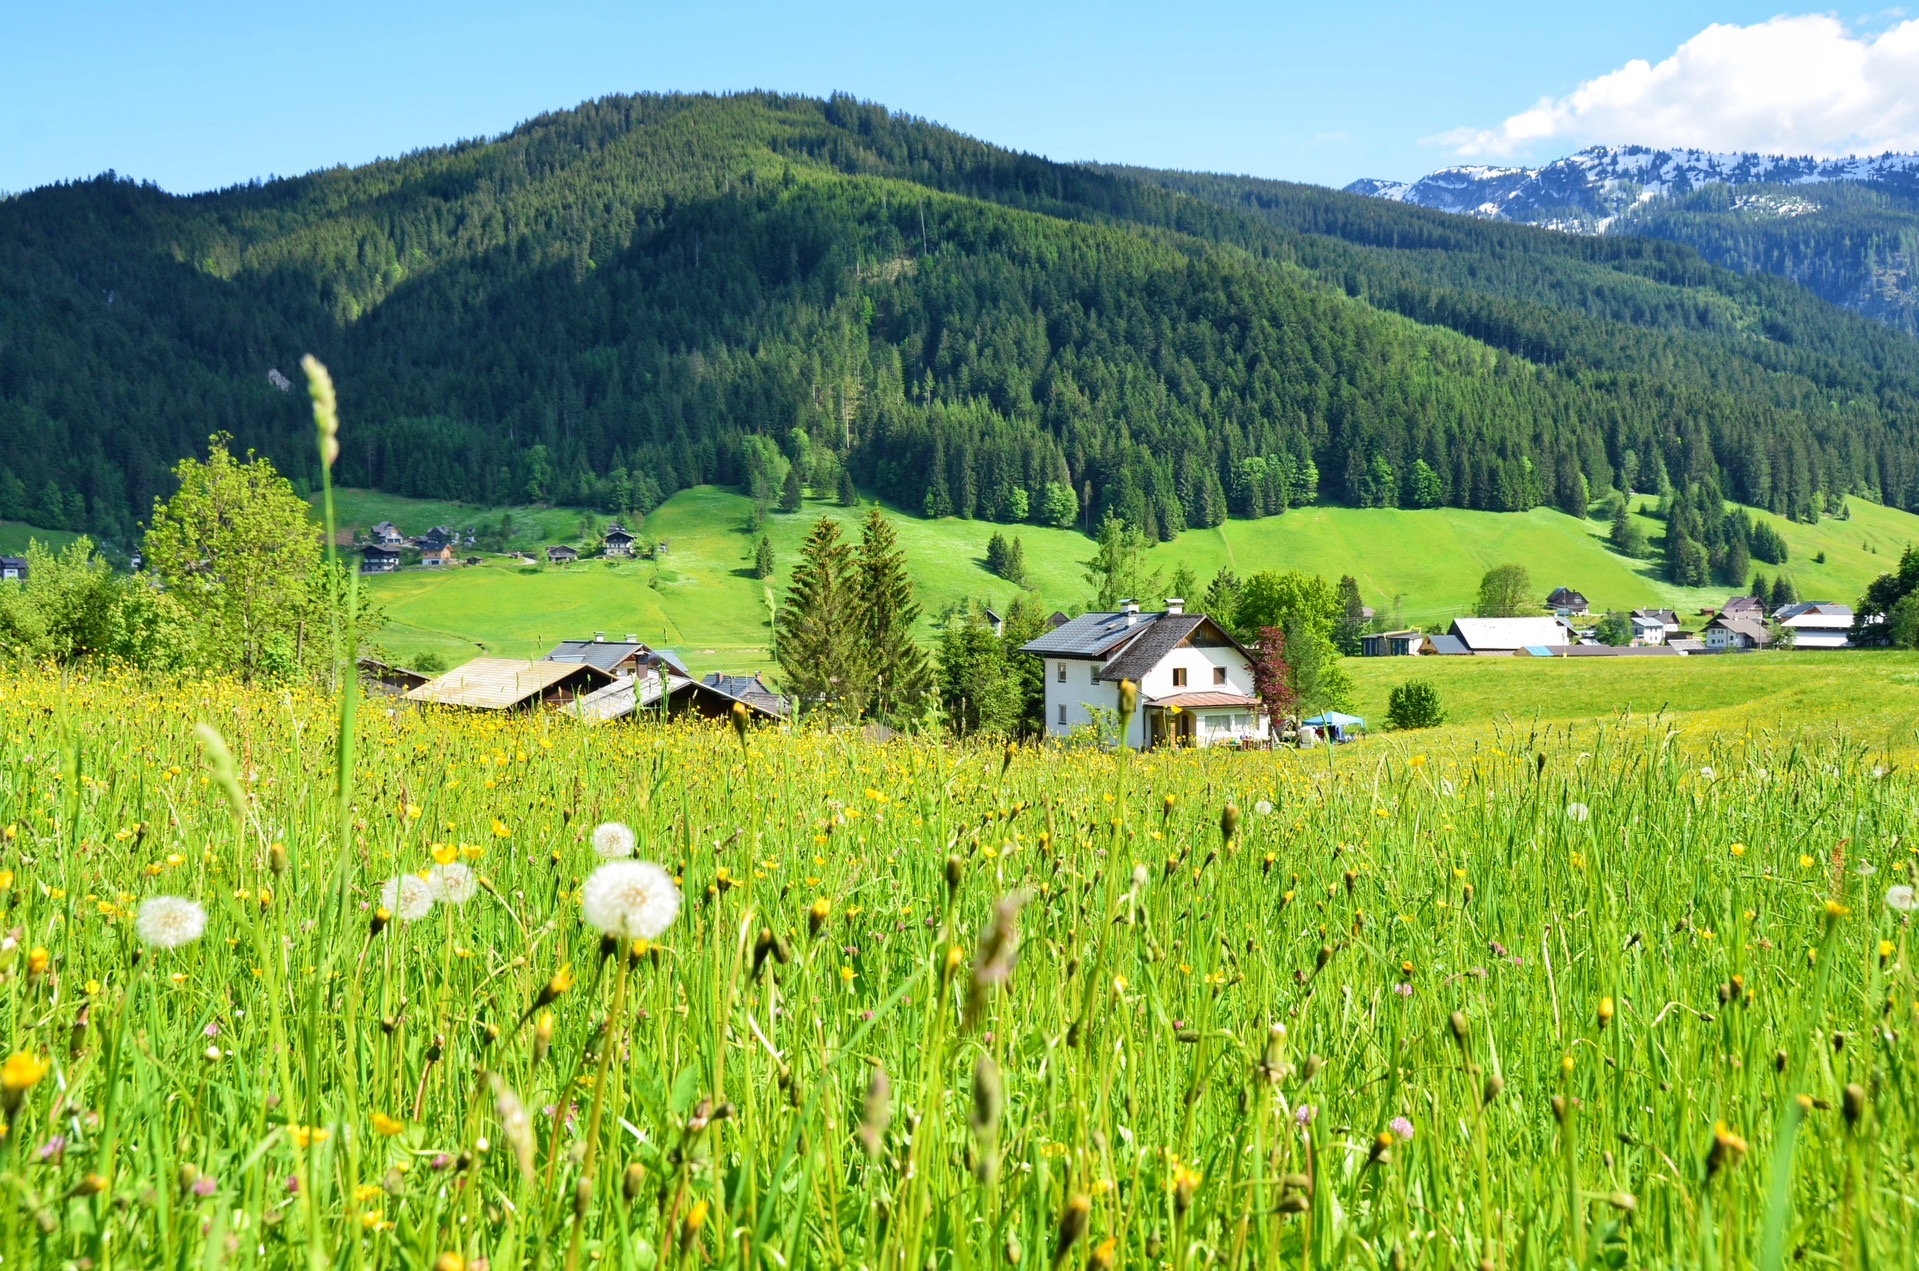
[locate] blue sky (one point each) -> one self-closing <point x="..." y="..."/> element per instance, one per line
<point x="195" y="96"/>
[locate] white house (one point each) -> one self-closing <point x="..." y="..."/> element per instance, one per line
<point x="1817" y="625"/>
<point x="1648" y="628"/>
<point x="1195" y="681"/>
<point x="1503" y="637"/>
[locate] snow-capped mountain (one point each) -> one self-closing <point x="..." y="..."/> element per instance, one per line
<point x="1586" y="192"/>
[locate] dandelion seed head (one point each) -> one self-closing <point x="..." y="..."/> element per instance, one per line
<point x="1577" y="811"/>
<point x="1263" y="807"/>
<point x="408" y="897"/>
<point x="452" y="884"/>
<point x="167" y="922"/>
<point x="633" y="899"/>
<point x="613" y="840"/>
<point x="1900" y="898"/>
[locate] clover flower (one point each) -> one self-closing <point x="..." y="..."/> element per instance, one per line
<point x="635" y="900"/>
<point x="167" y="922"/>
<point x="408" y="897"/>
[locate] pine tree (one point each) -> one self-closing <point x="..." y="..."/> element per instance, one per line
<point x="1222" y="597"/>
<point x="1015" y="571"/>
<point x="763" y="558"/>
<point x="896" y="664"/>
<point x="1352" y="617"/>
<point x="790" y="493"/>
<point x="849" y="494"/>
<point x="996" y="554"/>
<point x="819" y="628"/>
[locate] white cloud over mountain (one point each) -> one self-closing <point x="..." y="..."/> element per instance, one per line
<point x="1792" y="85"/>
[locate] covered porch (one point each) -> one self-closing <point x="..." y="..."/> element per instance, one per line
<point x="1205" y="719"/>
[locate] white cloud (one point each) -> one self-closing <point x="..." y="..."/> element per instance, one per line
<point x="1791" y="85"/>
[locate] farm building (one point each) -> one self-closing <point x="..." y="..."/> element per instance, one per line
<point x="13" y="569"/>
<point x="437" y="556"/>
<point x="1393" y="644"/>
<point x="615" y="657"/>
<point x="505" y="684"/>
<point x="1195" y="681"/>
<point x="385" y="680"/>
<point x="1503" y="637"/>
<point x="1726" y="634"/>
<point x="561" y="555"/>
<point x="1817" y="625"/>
<point x="618" y="542"/>
<point x="386" y="534"/>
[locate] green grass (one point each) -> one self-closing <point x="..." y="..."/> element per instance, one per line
<point x="702" y="599"/>
<point x="1430" y="1007"/>
<point x="15" y="535"/>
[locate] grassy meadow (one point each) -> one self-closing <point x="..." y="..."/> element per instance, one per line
<point x="1409" y="1004"/>
<point x="702" y="599"/>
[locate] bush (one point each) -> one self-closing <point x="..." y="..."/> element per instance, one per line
<point x="1414" y="704"/>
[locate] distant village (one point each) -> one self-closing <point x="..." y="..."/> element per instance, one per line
<point x="1567" y="628"/>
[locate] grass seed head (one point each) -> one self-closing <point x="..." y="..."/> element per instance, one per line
<point x="1072" y="1225"/>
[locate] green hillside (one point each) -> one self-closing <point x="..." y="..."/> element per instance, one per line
<point x="700" y="597"/>
<point x="646" y="294"/>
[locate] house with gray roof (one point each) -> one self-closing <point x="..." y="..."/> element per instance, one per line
<point x="1195" y="682"/>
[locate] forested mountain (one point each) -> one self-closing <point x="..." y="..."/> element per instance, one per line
<point x="611" y="303"/>
<point x="1845" y="229"/>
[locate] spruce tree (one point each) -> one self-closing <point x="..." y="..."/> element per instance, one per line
<point x="820" y="652"/>
<point x="849" y="495"/>
<point x="1352" y="617"/>
<point x="996" y="554"/>
<point x="894" y="662"/>
<point x="763" y="558"/>
<point x="791" y="491"/>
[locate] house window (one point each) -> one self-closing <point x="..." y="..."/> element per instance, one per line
<point x="1062" y="673"/>
<point x="1179" y="677"/>
<point x="1092" y="674"/>
<point x="1219" y="675"/>
<point x="1062" y="715"/>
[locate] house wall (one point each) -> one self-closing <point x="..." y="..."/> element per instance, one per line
<point x="1080" y="693"/>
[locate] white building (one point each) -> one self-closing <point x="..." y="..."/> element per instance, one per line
<point x="1817" y="625"/>
<point x="1195" y="681"/>
<point x="1503" y="637"/>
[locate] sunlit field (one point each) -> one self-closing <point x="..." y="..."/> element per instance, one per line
<point x="1602" y="998"/>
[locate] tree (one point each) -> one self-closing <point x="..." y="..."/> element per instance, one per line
<point x="1294" y="601"/>
<point x="1058" y="506"/>
<point x="1506" y="591"/>
<point x="763" y="558"/>
<point x="1614" y="629"/>
<point x="819" y="628"/>
<point x="73" y="607"/>
<point x="977" y="688"/>
<point x="1902" y="624"/>
<point x="1878" y="616"/>
<point x="1118" y="570"/>
<point x="1783" y="593"/>
<point x="239" y="550"/>
<point x="849" y="493"/>
<point x="1272" y="677"/>
<point x="1350" y="626"/>
<point x="1222" y="599"/>
<point x="790" y="492"/>
<point x="1184" y="585"/>
<point x="1626" y="537"/>
<point x="1319" y="682"/>
<point x="1025" y="621"/>
<point x="893" y="662"/>
<point x="1414" y="704"/>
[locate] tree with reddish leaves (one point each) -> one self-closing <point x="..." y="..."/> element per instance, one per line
<point x="1273" y="677"/>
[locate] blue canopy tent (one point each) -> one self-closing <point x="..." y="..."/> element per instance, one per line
<point x="1336" y="724"/>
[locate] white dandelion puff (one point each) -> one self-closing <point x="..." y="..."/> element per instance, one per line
<point x="407" y="897"/>
<point x="613" y="840"/>
<point x="452" y="884"/>
<point x="1707" y="773"/>
<point x="632" y="899"/>
<point x="1900" y="897"/>
<point x="1867" y="869"/>
<point x="167" y="922"/>
<point x="1578" y="811"/>
<point x="1263" y="808"/>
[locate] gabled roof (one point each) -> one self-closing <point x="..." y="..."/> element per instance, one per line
<point x="1751" y="628"/>
<point x="376" y="549"/>
<point x="614" y="531"/>
<point x="1842" y="614"/>
<point x="1565" y="596"/>
<point x="502" y="683"/>
<point x="1144" y="652"/>
<point x="604" y="654"/>
<point x="1666" y="616"/>
<point x="1448" y="645"/>
<point x="750" y="689"/>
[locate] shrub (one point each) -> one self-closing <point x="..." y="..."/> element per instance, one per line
<point x="1414" y="704"/>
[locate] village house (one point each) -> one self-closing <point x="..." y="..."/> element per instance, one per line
<point x="561" y="555"/>
<point x="1647" y="629"/>
<point x="1726" y="634"/>
<point x="1567" y="603"/>
<point x="383" y="679"/>
<point x="1744" y="607"/>
<point x="616" y="657"/>
<point x="1505" y="637"/>
<point x="13" y="569"/>
<point x="386" y="534"/>
<point x="1666" y="618"/>
<point x="1392" y="644"/>
<point x="378" y="558"/>
<point x="1195" y="682"/>
<point x="617" y="541"/>
<point x="1817" y="624"/>
<point x="437" y="556"/>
